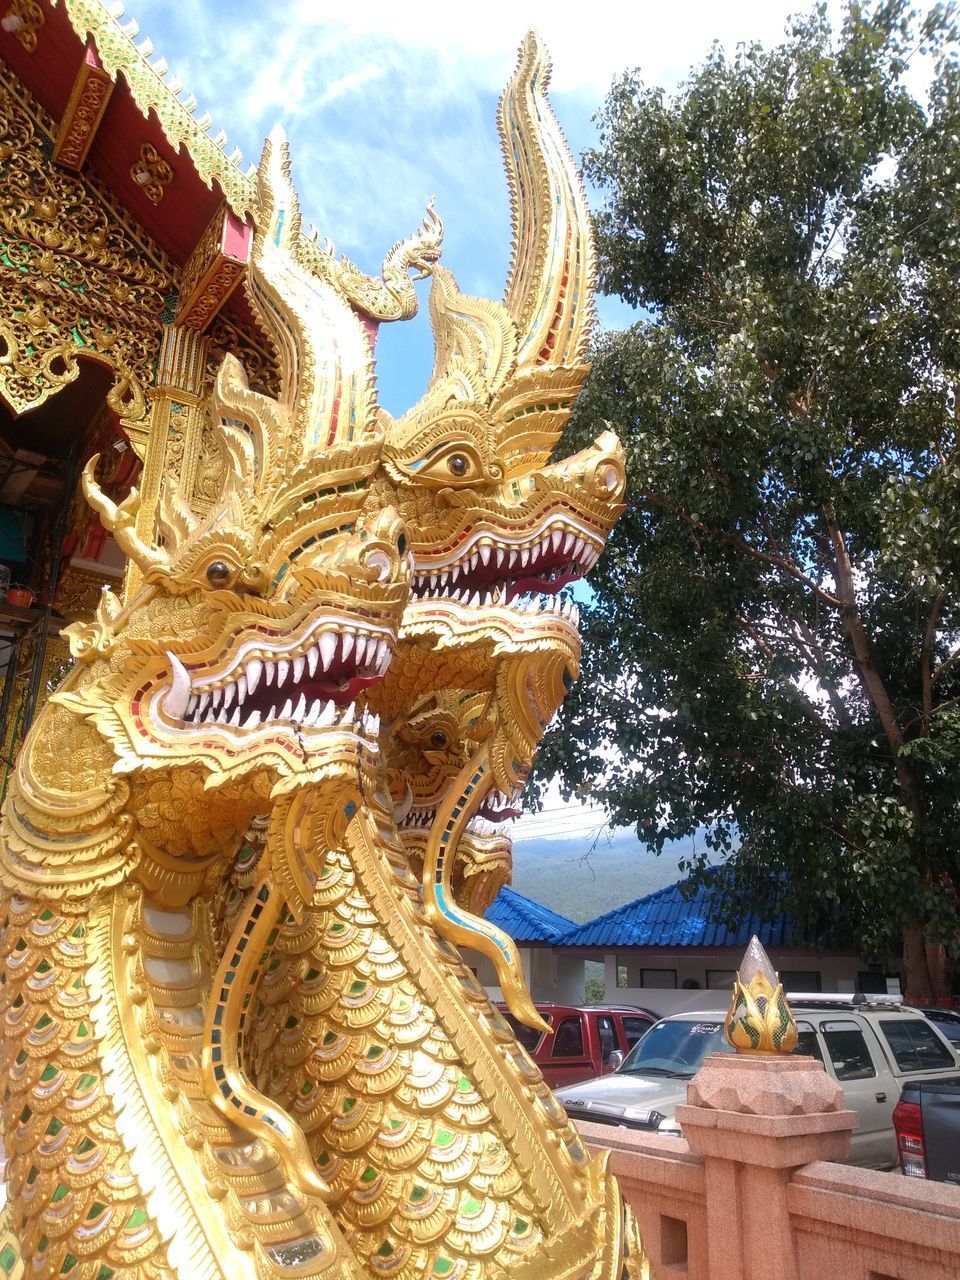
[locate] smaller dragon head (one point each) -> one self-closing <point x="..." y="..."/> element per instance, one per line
<point x="427" y="749"/>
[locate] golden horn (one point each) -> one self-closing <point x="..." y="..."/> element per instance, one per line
<point x="120" y="520"/>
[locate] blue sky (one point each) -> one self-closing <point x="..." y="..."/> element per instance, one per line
<point x="387" y="104"/>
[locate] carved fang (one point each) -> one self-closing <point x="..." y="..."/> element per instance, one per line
<point x="175" y="703"/>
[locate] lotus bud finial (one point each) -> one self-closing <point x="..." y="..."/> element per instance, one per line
<point x="759" y="1020"/>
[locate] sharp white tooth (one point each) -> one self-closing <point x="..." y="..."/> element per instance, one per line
<point x="228" y="693"/>
<point x="298" y="665"/>
<point x="253" y="719"/>
<point x="313" y="715"/>
<point x="328" y="647"/>
<point x="524" y="557"/>
<point x="568" y="542"/>
<point x="271" y="714"/>
<point x="254" y="672"/>
<point x="286" y="710"/>
<point x="242" y="689"/>
<point x="556" y="538"/>
<point x="283" y="667"/>
<point x="235" y="718"/>
<point x="485" y="552"/>
<point x="175" y="702"/>
<point x="349" y="715"/>
<point x="192" y="704"/>
<point x="434" y="579"/>
<point x="383" y="657"/>
<point x="221" y="716"/>
<point x="313" y="657"/>
<point x="578" y="547"/>
<point x="346" y="646"/>
<point x="501" y="556"/>
<point x="204" y="700"/>
<point x="512" y="563"/>
<point x="361" y="651"/>
<point x="269" y="670"/>
<point x="475" y="598"/>
<point x="215" y="699"/>
<point x="301" y="706"/>
<point x="373" y="726"/>
<point x="474" y="561"/>
<point x="327" y="716"/>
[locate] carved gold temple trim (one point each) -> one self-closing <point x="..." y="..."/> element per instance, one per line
<point x="214" y="269"/>
<point x="84" y="111"/>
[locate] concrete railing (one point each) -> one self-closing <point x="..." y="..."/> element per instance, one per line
<point x="748" y="1193"/>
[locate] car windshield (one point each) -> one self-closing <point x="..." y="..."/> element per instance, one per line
<point x="675" y="1048"/>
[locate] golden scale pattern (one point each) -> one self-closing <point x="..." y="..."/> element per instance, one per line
<point x="239" y="1039"/>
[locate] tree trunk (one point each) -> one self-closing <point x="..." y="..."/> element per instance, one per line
<point x="918" y="983"/>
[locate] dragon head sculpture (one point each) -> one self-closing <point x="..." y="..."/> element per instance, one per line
<point x="427" y="749"/>
<point x="468" y="467"/>
<point x="258" y="626"/>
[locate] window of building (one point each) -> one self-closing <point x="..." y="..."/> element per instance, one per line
<point x="622" y="976"/>
<point x="720" y="979"/>
<point x="568" y="1040"/>
<point x="848" y="1051"/>
<point x="664" y="979"/>
<point x="805" y="980"/>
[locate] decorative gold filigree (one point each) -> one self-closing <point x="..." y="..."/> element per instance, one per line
<point x="151" y="173"/>
<point x="77" y="281"/>
<point x="24" y="19"/>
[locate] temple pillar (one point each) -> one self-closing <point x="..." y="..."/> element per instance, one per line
<point x="171" y="441"/>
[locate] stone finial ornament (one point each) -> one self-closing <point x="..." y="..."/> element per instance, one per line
<point x="759" y="1019"/>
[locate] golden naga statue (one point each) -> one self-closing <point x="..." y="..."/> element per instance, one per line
<point x="238" y="1036"/>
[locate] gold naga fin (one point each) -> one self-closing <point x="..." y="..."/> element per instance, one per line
<point x="324" y="349"/>
<point x="552" y="270"/>
<point x="120" y="519"/>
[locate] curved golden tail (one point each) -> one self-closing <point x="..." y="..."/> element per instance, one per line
<point x="224" y="1079"/>
<point x="457" y="808"/>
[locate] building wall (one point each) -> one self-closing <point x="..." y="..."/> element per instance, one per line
<point x="549" y="975"/>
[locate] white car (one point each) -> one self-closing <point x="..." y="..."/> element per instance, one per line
<point x="871" y="1047"/>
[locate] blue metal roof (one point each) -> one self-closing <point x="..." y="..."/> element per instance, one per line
<point x="668" y="918"/>
<point x="525" y="920"/>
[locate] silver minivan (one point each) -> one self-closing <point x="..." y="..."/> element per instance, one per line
<point x="870" y="1047"/>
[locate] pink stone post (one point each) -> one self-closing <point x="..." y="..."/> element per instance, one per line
<point x="754" y="1118"/>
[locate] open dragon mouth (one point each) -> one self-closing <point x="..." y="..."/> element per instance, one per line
<point x="305" y="685"/>
<point x="503" y="569"/>
<point x="495" y="809"/>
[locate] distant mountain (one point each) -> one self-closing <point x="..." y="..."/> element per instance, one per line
<point x="583" y="879"/>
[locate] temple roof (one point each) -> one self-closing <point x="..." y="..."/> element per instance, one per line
<point x="144" y="109"/>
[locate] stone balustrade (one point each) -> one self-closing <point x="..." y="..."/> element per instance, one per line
<point x="749" y="1193"/>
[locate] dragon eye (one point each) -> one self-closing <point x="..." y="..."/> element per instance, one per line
<point x="438" y="740"/>
<point x="458" y="464"/>
<point x="218" y="573"/>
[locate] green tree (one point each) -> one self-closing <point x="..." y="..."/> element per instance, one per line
<point x="774" y="650"/>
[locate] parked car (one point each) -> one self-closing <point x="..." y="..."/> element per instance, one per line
<point x="584" y="1041"/>
<point x="870" y="1048"/>
<point x="927" y="1125"/>
<point x="945" y="1020"/>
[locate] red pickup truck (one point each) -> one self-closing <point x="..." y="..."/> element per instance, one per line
<point x="582" y="1040"/>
